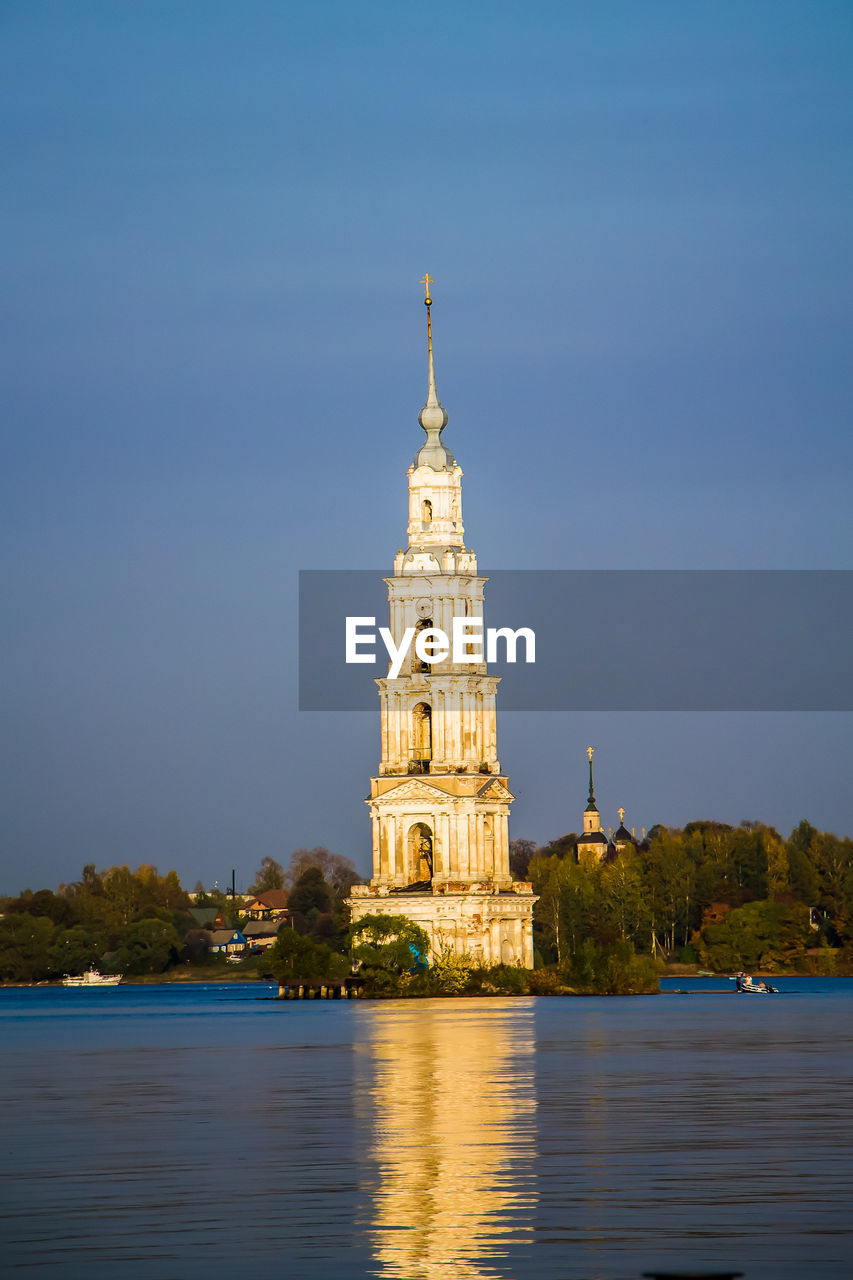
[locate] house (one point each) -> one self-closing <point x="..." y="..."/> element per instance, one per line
<point x="271" y="905"/>
<point x="260" y="935"/>
<point x="227" y="942"/>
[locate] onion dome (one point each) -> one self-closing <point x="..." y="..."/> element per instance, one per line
<point x="622" y="835"/>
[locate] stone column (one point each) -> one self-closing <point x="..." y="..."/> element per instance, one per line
<point x="518" y="940"/>
<point x="377" y="842"/>
<point x="439" y="748"/>
<point x="473" y="831"/>
<point x="528" y="942"/>
<point x="452" y="868"/>
<point x="441" y="849"/>
<point x="502" y="845"/>
<point x="495" y="941"/>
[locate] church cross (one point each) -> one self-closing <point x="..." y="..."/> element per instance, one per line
<point x="621" y="813"/>
<point x="426" y="282"/>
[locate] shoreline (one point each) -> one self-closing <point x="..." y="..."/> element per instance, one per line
<point x="197" y="979"/>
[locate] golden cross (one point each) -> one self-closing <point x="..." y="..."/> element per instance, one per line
<point x="589" y="751"/>
<point x="426" y="282"/>
<point x="621" y="813"/>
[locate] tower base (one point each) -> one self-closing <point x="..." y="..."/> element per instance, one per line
<point x="493" y="928"/>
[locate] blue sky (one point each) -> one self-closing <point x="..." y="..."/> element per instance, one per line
<point x="216" y="217"/>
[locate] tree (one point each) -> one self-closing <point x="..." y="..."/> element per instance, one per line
<point x="387" y="948"/>
<point x="296" y="956"/>
<point x="338" y="872"/>
<point x="25" y="948"/>
<point x="77" y="949"/>
<point x="758" y="934"/>
<point x="43" y="903"/>
<point x="668" y="887"/>
<point x="147" y="946"/>
<point x="270" y="875"/>
<point x="520" y="853"/>
<point x="310" y="893"/>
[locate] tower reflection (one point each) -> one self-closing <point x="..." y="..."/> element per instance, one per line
<point x="449" y="1099"/>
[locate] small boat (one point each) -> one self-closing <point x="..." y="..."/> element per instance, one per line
<point x="92" y="978"/>
<point x="745" y="985"/>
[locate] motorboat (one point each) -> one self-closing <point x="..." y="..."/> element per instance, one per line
<point x="92" y="978"/>
<point x="746" y="985"/>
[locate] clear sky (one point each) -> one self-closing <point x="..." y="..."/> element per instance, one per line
<point x="215" y="219"/>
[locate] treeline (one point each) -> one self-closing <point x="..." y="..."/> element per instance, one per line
<point x="724" y="897"/>
<point x="139" y="922"/>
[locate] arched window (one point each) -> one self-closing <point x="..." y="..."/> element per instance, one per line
<point x="420" y="748"/>
<point x="418" y="664"/>
<point x="426" y="511"/>
<point x="420" y="854"/>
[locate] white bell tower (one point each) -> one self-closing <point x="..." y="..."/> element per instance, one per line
<point x="440" y="804"/>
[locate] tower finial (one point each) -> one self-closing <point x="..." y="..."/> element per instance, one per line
<point x="432" y="395"/>
<point x="433" y="416"/>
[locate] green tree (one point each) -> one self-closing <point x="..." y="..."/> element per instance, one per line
<point x="76" y="949"/>
<point x="294" y="955"/>
<point x="53" y="906"/>
<point x="387" y="948"/>
<point x="147" y="946"/>
<point x="613" y="970"/>
<point x="668" y="887"/>
<point x="622" y="892"/>
<point x="760" y="934"/>
<point x="26" y="948"/>
<point x="310" y="893"/>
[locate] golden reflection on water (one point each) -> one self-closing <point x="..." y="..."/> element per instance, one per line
<point x="448" y="1095"/>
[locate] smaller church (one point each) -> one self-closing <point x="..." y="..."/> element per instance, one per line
<point x="593" y="843"/>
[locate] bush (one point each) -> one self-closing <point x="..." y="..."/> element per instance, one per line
<point x="450" y="974"/>
<point x="613" y="970"/>
<point x="508" y="978"/>
<point x="548" y="982"/>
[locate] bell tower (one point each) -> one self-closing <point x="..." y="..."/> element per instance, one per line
<point x="439" y="804"/>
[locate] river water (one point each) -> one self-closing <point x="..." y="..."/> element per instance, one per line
<point x="176" y="1132"/>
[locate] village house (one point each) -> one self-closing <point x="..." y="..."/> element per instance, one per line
<point x="260" y="935"/>
<point x="227" y="942"/>
<point x="271" y="905"/>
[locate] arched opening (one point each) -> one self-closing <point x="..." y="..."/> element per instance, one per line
<point x="420" y="853"/>
<point x="426" y="511"/>
<point x="420" y="749"/>
<point x="418" y="664"/>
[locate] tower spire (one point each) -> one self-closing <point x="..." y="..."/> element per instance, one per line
<point x="433" y="416"/>
<point x="591" y="807"/>
<point x="432" y="394"/>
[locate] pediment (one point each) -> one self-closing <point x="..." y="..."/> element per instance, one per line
<point x="414" y="791"/>
<point x="495" y="791"/>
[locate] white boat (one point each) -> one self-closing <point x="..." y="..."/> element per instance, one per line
<point x="745" y="985"/>
<point x="92" y="978"/>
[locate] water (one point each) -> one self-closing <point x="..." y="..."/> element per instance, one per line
<point x="170" y="1132"/>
